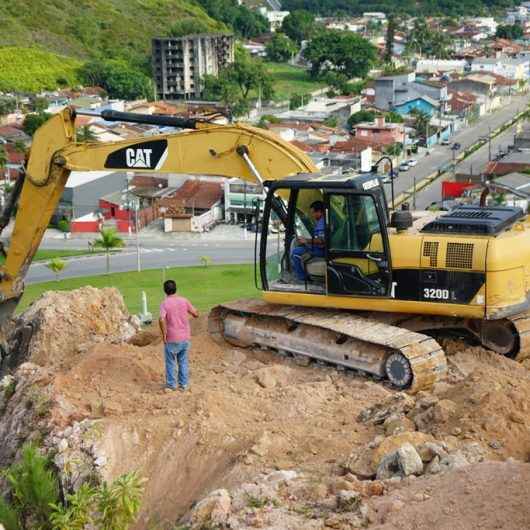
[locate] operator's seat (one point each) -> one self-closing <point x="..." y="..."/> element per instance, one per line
<point x="315" y="268"/>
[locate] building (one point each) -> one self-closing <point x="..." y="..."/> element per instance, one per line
<point x="399" y="92"/>
<point x="381" y="132"/>
<point x="433" y="66"/>
<point x="179" y="64"/>
<point x="321" y="109"/>
<point x="195" y="207"/>
<point x="84" y="190"/>
<point x="274" y="17"/>
<point x="240" y="200"/>
<point x="512" y="68"/>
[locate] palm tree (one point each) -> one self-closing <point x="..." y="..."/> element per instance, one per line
<point x="56" y="265"/>
<point x="108" y="241"/>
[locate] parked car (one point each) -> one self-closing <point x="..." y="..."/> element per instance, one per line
<point x="404" y="166"/>
<point x="411" y="162"/>
<point x="445" y="142"/>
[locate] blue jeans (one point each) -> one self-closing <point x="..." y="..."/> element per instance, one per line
<point x="296" y="258"/>
<point x="177" y="351"/>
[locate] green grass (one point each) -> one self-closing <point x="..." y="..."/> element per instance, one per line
<point x="290" y="80"/>
<point x="204" y="286"/>
<point x="33" y="70"/>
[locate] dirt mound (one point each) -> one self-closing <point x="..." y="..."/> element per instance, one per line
<point x="60" y="325"/>
<point x="250" y="411"/>
<point x="485" y="495"/>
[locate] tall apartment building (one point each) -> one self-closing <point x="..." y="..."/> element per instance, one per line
<point x="180" y="63"/>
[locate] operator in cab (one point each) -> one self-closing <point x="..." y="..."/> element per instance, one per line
<point x="313" y="247"/>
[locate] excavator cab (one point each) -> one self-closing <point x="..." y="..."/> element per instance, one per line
<point x="356" y="260"/>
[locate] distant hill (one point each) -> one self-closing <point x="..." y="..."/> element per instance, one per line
<point x="80" y="30"/>
<point x="411" y="7"/>
<point x="32" y="70"/>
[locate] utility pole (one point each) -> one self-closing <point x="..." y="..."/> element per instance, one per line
<point x="414" y="193"/>
<point x="489" y="143"/>
<point x="136" y="210"/>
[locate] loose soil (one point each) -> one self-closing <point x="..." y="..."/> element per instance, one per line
<point x="253" y="411"/>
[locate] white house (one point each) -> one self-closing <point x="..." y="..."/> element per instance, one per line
<point x="516" y="69"/>
<point x="431" y="66"/>
<point x="275" y="18"/>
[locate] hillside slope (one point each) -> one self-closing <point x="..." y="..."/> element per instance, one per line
<point x="32" y="70"/>
<point x="85" y="28"/>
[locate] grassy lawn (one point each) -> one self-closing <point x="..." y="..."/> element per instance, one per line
<point x="290" y="80"/>
<point x="205" y="287"/>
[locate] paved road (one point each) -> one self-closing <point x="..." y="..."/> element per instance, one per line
<point x="151" y="258"/>
<point x="442" y="155"/>
<point x="476" y="164"/>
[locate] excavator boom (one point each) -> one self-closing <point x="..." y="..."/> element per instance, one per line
<point x="249" y="153"/>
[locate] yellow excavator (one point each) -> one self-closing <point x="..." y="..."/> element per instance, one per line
<point x="385" y="287"/>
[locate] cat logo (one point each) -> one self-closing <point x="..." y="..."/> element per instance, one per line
<point x="138" y="158"/>
<point x="150" y="154"/>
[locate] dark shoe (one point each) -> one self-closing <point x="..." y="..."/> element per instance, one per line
<point x="169" y="389"/>
<point x="183" y="388"/>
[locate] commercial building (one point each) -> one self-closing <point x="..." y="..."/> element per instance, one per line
<point x="179" y="64"/>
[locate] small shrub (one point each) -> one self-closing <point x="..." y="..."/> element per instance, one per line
<point x="206" y="261"/>
<point x="63" y="225"/>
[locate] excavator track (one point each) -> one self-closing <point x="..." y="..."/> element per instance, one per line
<point x="522" y="325"/>
<point x="361" y="342"/>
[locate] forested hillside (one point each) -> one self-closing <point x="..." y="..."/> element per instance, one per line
<point x="411" y="7"/>
<point x="84" y="28"/>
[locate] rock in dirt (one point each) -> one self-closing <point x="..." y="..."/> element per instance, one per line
<point x="212" y="511"/>
<point x="393" y="443"/>
<point x="50" y="331"/>
<point x="401" y="463"/>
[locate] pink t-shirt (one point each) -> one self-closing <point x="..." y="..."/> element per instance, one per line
<point x="174" y="310"/>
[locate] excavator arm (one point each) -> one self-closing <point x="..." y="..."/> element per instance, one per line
<point x="234" y="150"/>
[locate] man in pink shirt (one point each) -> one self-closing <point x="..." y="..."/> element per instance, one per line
<point x="176" y="334"/>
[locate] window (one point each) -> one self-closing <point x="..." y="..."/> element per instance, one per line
<point x="353" y="223"/>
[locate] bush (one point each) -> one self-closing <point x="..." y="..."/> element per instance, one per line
<point x="63" y="225"/>
<point x="35" y="503"/>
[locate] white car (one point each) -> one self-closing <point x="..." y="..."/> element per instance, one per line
<point x="404" y="166"/>
<point x="412" y="162"/>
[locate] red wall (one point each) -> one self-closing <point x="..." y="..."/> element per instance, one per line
<point x="84" y="226"/>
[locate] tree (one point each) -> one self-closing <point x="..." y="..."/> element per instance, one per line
<point x="33" y="121"/>
<point x="189" y="26"/>
<point x="389" y="40"/>
<point x="235" y="84"/>
<point x="240" y="18"/>
<point x="425" y="41"/>
<point x="281" y="48"/>
<point x="118" y="78"/>
<point x="362" y="116"/>
<point x="108" y="241"/>
<point x="340" y="51"/>
<point x="299" y="25"/>
<point x="56" y="265"/>
<point x="39" y="104"/>
<point x="422" y="120"/>
<point x="510" y="31"/>
<point x="3" y="160"/>
<point x="393" y="117"/>
<point x="85" y="134"/>
<point x="7" y="105"/>
<point x="394" y="149"/>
